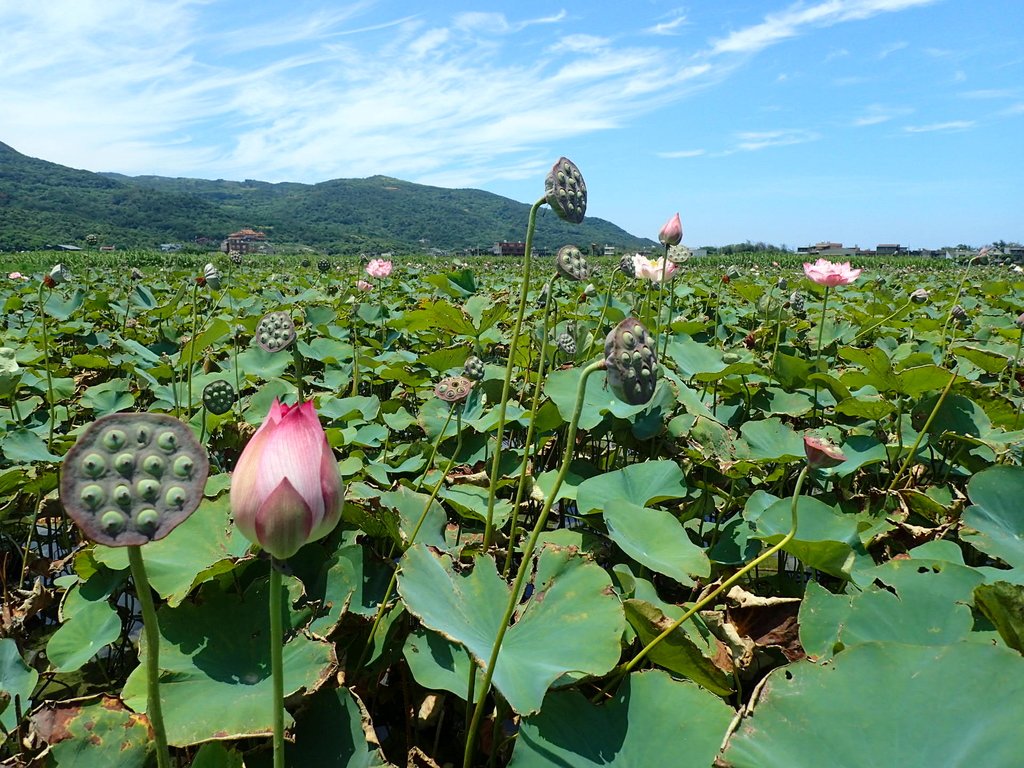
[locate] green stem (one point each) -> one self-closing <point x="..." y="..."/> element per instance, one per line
<point x="604" y="310"/>
<point x="434" y="446"/>
<point x="507" y="384"/>
<point x="952" y="305"/>
<point x="276" y="661"/>
<point x="524" y="564"/>
<point x="152" y="631"/>
<point x="661" y="292"/>
<point x="192" y="348"/>
<point x="297" y="359"/>
<point x="624" y="669"/>
<point x="1013" y="376"/>
<point x="354" y="335"/>
<point x="817" y="354"/>
<point x="671" y="311"/>
<point x="46" y="362"/>
<point x="921" y="434"/>
<point x="868" y="330"/>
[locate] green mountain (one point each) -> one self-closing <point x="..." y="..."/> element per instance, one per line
<point x="42" y="203"/>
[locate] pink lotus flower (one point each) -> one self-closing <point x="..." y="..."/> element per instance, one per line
<point x="672" y="232"/>
<point x="362" y="285"/>
<point x="822" y="453"/>
<point x="650" y="269"/>
<point x="17" y="276"/>
<point x="286" y="489"/>
<point x="378" y="268"/>
<point x="824" y="272"/>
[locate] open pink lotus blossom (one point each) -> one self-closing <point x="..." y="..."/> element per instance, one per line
<point x="286" y="489"/>
<point x="672" y="232"/>
<point x="822" y="453"/>
<point x="650" y="269"/>
<point x="17" y="276"/>
<point x="378" y="268"/>
<point x="825" y="272"/>
<point x="362" y="285"/>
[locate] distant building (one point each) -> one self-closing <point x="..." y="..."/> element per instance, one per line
<point x="889" y="249"/>
<point x="246" y="241"/>
<point x="505" y="248"/>
<point x="66" y="248"/>
<point x="829" y="249"/>
<point x="170" y="247"/>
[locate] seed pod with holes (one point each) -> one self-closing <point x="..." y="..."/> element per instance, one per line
<point x="565" y="191"/>
<point x="453" y="389"/>
<point x="627" y="267"/>
<point x="571" y="263"/>
<point x="218" y="397"/>
<point x="566" y="343"/>
<point x="275" y="331"/>
<point x="474" y="368"/>
<point x="631" y="361"/>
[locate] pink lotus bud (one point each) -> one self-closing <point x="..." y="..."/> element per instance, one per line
<point x="672" y="232"/>
<point x="378" y="268"/>
<point x="286" y="489"/>
<point x="362" y="285"/>
<point x="821" y="453"/>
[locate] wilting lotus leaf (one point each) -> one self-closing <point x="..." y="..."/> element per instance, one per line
<point x="133" y="478"/>
<point x="218" y="396"/>
<point x="566" y="192"/>
<point x="631" y="360"/>
<point x="91" y="734"/>
<point x="275" y="331"/>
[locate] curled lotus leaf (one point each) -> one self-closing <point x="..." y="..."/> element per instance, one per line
<point x="218" y="396"/>
<point x="133" y="478"/>
<point x="571" y="263"/>
<point x="453" y="389"/>
<point x="275" y="331"/>
<point x="631" y="361"/>
<point x="565" y="191"/>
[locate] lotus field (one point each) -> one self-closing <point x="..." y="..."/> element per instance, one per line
<point x="558" y="511"/>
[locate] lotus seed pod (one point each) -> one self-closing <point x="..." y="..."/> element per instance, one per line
<point x="133" y="478"/>
<point x="627" y="267"/>
<point x="236" y="259"/>
<point x="920" y="296"/>
<point x="565" y="191"/>
<point x="571" y="263"/>
<point x="959" y="313"/>
<point x="212" y="276"/>
<point x="218" y="396"/>
<point x="323" y="265"/>
<point x="796" y="302"/>
<point x="631" y="366"/>
<point x="453" y="388"/>
<point x="275" y="331"/>
<point x="474" y="368"/>
<point x="566" y="343"/>
<point x="782" y="284"/>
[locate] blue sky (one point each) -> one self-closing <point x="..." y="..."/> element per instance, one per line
<point x="861" y="121"/>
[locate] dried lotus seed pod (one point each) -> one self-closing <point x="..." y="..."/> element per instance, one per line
<point x="627" y="267"/>
<point x="275" y="331"/>
<point x="453" y="388"/>
<point x="631" y="361"/>
<point x="218" y="397"/>
<point x="571" y="263"/>
<point x="566" y="343"/>
<point x="565" y="191"/>
<point x="133" y="478"/>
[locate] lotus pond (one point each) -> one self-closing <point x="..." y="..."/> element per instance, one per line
<point x="734" y="517"/>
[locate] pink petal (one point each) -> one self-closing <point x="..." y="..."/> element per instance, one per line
<point x="283" y="522"/>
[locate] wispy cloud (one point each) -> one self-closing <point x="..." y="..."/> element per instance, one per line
<point x="792" y="22"/>
<point x="990" y="93"/>
<point x="951" y="125"/>
<point x="682" y="153"/>
<point x="670" y="27"/>
<point x="876" y="114"/>
<point x="890" y="49"/>
<point x="751" y="141"/>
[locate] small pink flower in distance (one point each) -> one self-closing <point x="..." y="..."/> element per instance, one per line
<point x="672" y="232"/>
<point x="286" y="488"/>
<point x="17" y="276"/>
<point x="378" y="268"/>
<point x="362" y="285"/>
<point x="821" y="453"/>
<point x="825" y="272"/>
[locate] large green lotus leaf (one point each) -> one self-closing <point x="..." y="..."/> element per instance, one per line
<point x="470" y="501"/>
<point x="774" y="401"/>
<point x="986" y="359"/>
<point x="652" y="720"/>
<point x="94" y="735"/>
<point x="332" y="733"/>
<point x="995" y="522"/>
<point x="655" y="538"/>
<point x="257" y="363"/>
<point x="213" y="754"/>
<point x="572" y="598"/>
<point x="825" y="539"/>
<point x="215" y="664"/>
<point x="351" y="582"/>
<point x="438" y="664"/>
<point x="23" y="446"/>
<point x="199" y="549"/>
<point x="57" y="307"/>
<point x="347" y="408"/>
<point x="410" y="506"/>
<point x="870" y="407"/>
<point x="1002" y="603"/>
<point x="17" y="681"/>
<point x="770" y="440"/>
<point x="598" y="399"/>
<point x="693" y="358"/>
<point x="678" y="652"/>
<point x="108" y="397"/>
<point x="92" y="627"/>
<point x="642" y="483"/>
<point x="888" y="704"/>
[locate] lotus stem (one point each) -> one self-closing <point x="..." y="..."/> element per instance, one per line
<point x="46" y="359"/>
<point x="881" y="322"/>
<point x="152" y="631"/>
<point x="276" y="661"/>
<point x="1013" y="374"/>
<point x="817" y="354"/>
<point x="507" y="384"/>
<point x="604" y="310"/>
<point x="192" y="347"/>
<point x="624" y="669"/>
<point x="952" y="306"/>
<point x="920" y="435"/>
<point x="524" y="564"/>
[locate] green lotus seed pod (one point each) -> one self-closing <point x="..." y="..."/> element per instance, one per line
<point x="112" y="522"/>
<point x="167" y="441"/>
<point x="92" y="496"/>
<point x="125" y="464"/>
<point x="147" y="521"/>
<point x="114" y="439"/>
<point x="123" y="496"/>
<point x="148" y="490"/>
<point x="175" y="496"/>
<point x="565" y="191"/>
<point x="154" y="465"/>
<point x="94" y="465"/>
<point x="183" y="466"/>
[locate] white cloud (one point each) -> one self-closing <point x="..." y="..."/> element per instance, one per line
<point x="669" y="27"/>
<point x="876" y="114"/>
<point x="952" y="125"/>
<point x="890" y="49"/>
<point x="681" y="153"/>
<point x="990" y="93"/>
<point x="751" y="141"/>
